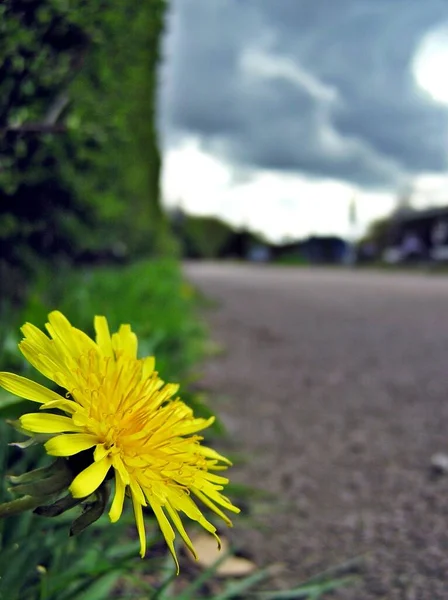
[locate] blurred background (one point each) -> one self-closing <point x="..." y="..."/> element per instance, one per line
<point x="307" y="121"/>
<point x="287" y="131"/>
<point x="150" y="153"/>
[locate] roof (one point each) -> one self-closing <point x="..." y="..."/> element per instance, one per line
<point x="418" y="215"/>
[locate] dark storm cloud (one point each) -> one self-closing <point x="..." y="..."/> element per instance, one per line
<point x="321" y="87"/>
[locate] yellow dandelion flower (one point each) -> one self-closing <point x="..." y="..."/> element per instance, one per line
<point x="131" y="421"/>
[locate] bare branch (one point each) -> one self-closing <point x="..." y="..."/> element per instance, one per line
<point x="54" y="111"/>
<point x="34" y="128"/>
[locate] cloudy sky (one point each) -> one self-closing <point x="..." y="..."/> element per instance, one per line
<point x="276" y="114"/>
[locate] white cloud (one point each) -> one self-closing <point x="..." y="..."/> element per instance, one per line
<point x="430" y="189"/>
<point x="259" y="63"/>
<point x="274" y="203"/>
<point x="430" y="64"/>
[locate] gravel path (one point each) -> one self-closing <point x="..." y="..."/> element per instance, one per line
<point x="336" y="385"/>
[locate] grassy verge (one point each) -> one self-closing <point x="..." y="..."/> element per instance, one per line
<point x="150" y="295"/>
<point x="38" y="560"/>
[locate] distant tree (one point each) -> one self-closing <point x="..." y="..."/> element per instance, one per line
<point x="378" y="237"/>
<point x="242" y="242"/>
<point x="205" y="237"/>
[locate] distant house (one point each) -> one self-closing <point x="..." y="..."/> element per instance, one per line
<point x="419" y="235"/>
<point x="259" y="253"/>
<point x="245" y="245"/>
<point x="325" y="249"/>
<point x="315" y="250"/>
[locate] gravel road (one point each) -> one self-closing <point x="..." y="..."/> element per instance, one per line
<point x="336" y="385"/>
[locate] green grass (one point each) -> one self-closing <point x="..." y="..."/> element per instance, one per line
<point x="293" y="260"/>
<point x="150" y="295"/>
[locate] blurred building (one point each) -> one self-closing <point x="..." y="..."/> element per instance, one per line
<point x="418" y="235"/>
<point x="323" y="250"/>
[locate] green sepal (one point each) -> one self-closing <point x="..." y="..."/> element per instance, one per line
<point x="55" y="484"/>
<point x="58" y="507"/>
<point x="38" y="438"/>
<point x="17" y="426"/>
<point x="34" y="475"/>
<point x="92" y="512"/>
<point x="8" y="509"/>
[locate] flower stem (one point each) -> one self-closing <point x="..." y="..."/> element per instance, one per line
<point x="7" y="509"/>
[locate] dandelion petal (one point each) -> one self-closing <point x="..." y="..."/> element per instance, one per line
<point x="174" y="515"/>
<point x="117" y="504"/>
<point x="138" y="513"/>
<point x="25" y="388"/>
<point x="167" y="530"/>
<point x="47" y="423"/>
<point x="70" y="444"/>
<point x="103" y="335"/>
<point x="149" y="364"/>
<point x="90" y="479"/>
<point x="125" y="341"/>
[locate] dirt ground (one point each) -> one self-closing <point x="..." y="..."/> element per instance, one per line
<point x="335" y="385"/>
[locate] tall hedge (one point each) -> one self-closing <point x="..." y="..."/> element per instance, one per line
<point x="79" y="160"/>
